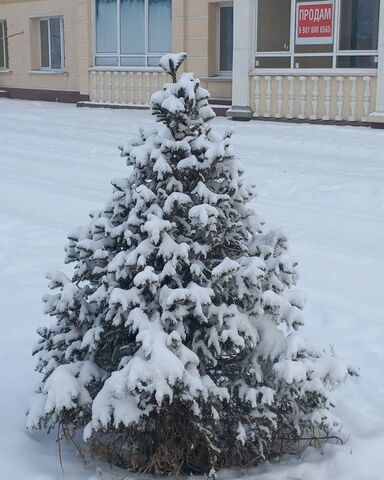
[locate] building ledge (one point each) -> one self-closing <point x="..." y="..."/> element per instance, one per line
<point x="5" y="71"/>
<point x="46" y="95"/>
<point x="340" y="123"/>
<point x="376" y="119"/>
<point x="126" y="69"/>
<point x="240" y="113"/>
<point x="117" y="106"/>
<point x="48" y="72"/>
<point x="307" y="72"/>
<point x="217" y="78"/>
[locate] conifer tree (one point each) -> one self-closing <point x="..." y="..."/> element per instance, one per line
<point x="175" y="345"/>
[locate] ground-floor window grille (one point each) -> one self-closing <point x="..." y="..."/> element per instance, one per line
<point x="132" y="33"/>
<point x="317" y="34"/>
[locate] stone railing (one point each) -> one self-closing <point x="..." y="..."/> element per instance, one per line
<point x="124" y="87"/>
<point x="327" y="97"/>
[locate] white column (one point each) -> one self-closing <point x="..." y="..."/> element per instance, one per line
<point x="242" y="51"/>
<point x="378" y="115"/>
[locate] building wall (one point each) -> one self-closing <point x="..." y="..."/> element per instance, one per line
<point x="24" y="49"/>
<point x="261" y="93"/>
<point x="195" y="31"/>
<point x="331" y="94"/>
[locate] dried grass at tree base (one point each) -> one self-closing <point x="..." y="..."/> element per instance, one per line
<point x="172" y="445"/>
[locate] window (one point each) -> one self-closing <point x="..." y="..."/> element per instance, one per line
<point x="51" y="43"/>
<point x="132" y="32"/>
<point x="225" y="38"/>
<point x="317" y="34"/>
<point x="359" y="24"/>
<point x="270" y="38"/>
<point x="359" y="31"/>
<point x="3" y="45"/>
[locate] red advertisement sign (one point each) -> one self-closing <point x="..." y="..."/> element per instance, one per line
<point x="314" y="23"/>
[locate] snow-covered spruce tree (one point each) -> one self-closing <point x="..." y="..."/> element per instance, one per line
<point x="174" y="344"/>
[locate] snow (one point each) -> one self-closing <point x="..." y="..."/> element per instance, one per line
<point x="226" y="267"/>
<point x="203" y="215"/>
<point x="322" y="184"/>
<point x="171" y="62"/>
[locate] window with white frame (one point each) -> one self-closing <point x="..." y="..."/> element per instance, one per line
<point x="51" y="43"/>
<point x="132" y="33"/>
<point x="317" y="34"/>
<point x="3" y="45"/>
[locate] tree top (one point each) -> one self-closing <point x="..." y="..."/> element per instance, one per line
<point x="172" y="62"/>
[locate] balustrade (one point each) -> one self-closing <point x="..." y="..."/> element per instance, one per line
<point x="314" y="97"/>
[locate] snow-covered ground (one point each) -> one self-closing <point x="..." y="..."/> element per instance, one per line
<point x="324" y="185"/>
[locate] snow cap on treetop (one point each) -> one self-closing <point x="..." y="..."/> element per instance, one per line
<point x="181" y="105"/>
<point x="171" y="63"/>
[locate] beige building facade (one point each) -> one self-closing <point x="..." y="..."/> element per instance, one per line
<point x="29" y="27"/>
<point x="320" y="61"/>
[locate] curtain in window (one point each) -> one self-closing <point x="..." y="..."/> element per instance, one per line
<point x="106" y="26"/>
<point x="145" y="32"/>
<point x="159" y="26"/>
<point x="44" y="43"/>
<point x="55" y="37"/>
<point x="132" y="20"/>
